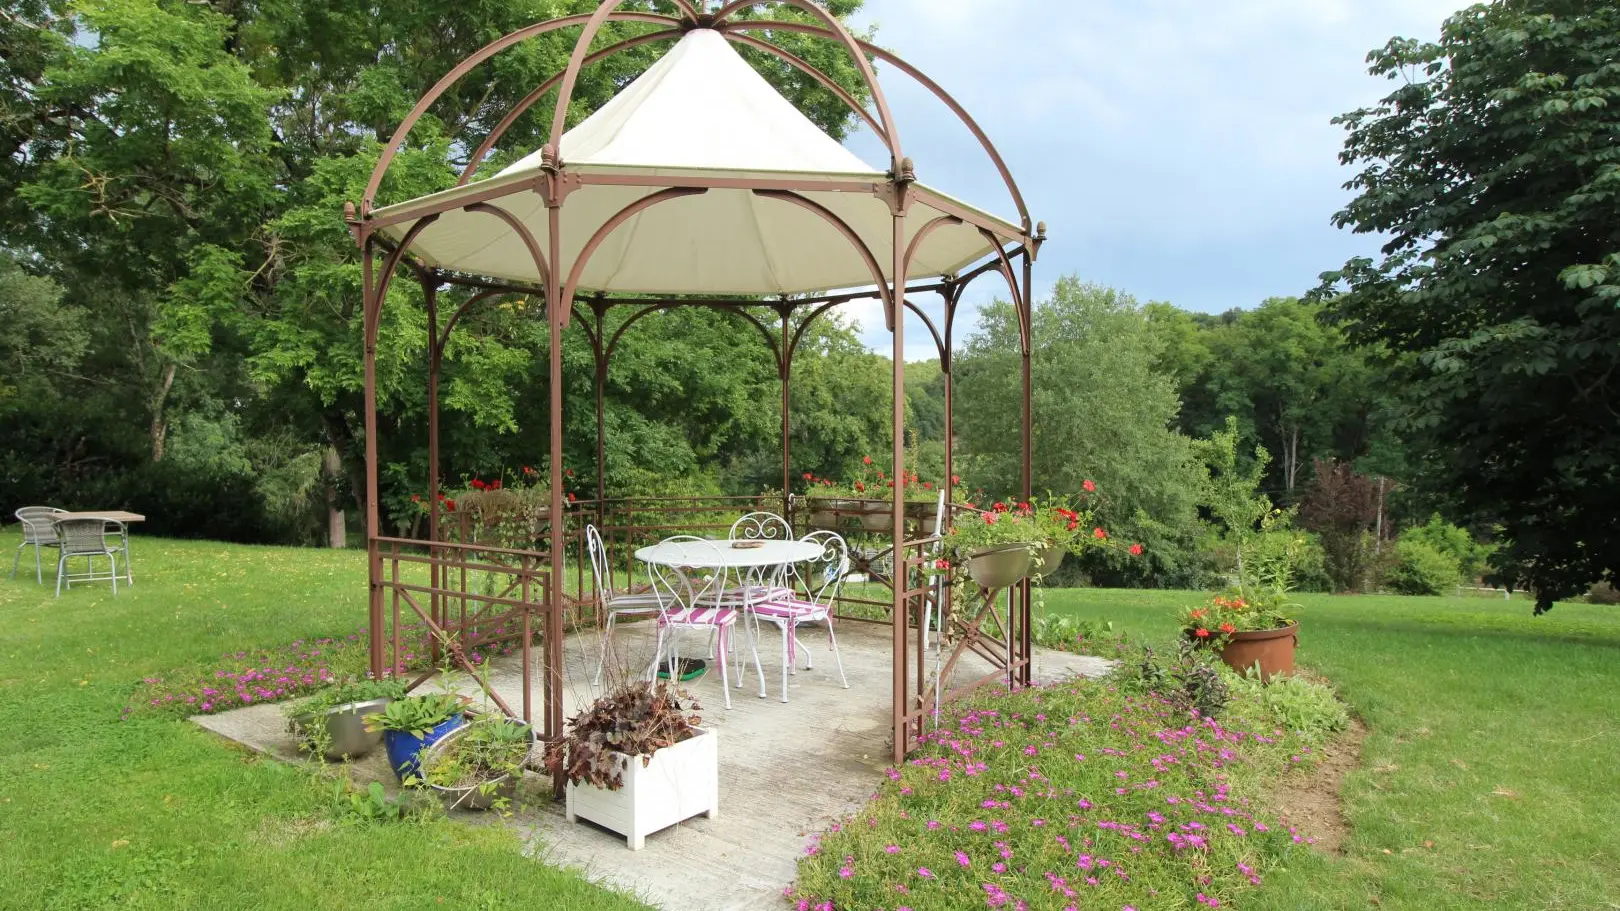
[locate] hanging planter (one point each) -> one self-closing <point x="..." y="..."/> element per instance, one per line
<point x="998" y="567"/>
<point x="1049" y="559"/>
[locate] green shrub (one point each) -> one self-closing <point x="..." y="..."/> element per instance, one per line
<point x="1454" y="542"/>
<point x="1422" y="570"/>
<point x="1299" y="706"/>
<point x="1604" y="593"/>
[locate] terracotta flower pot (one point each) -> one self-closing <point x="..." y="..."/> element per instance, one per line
<point x="999" y="567"/>
<point x="1272" y="648"/>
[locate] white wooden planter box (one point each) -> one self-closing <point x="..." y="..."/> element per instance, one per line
<point x="680" y="782"/>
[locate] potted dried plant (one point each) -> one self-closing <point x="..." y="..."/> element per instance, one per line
<point x="637" y="762"/>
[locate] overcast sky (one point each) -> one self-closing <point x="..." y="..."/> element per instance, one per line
<point x="1177" y="149"/>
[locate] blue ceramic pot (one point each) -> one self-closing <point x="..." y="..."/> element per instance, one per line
<point x="404" y="748"/>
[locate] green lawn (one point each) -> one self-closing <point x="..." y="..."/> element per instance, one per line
<point x="1490" y="778"/>
<point x="155" y="813"/>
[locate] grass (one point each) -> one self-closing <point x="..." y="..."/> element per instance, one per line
<point x="152" y="812"/>
<point x="1489" y="777"/>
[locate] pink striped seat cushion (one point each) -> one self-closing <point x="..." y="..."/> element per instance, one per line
<point x="702" y="616"/>
<point x="789" y="608"/>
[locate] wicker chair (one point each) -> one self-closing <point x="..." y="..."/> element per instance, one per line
<point x="90" y="539"/>
<point x="37" y="532"/>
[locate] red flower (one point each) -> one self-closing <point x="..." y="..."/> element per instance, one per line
<point x="826" y="483"/>
<point x="416" y="498"/>
<point x="1228" y="628"/>
<point x="991" y="518"/>
<point x="569" y="472"/>
<point x="1201" y="633"/>
<point x="1136" y="550"/>
<point x="478" y="485"/>
<point x="1000" y="507"/>
<point x="880" y="472"/>
<point x="496" y="485"/>
<point x="956" y="479"/>
<point x="1099" y="534"/>
<point x="1198" y="614"/>
<point x="1074" y="525"/>
<point x="860" y="487"/>
<point x="528" y="470"/>
<point x="942" y="564"/>
<point x="450" y="505"/>
<point x="809" y="477"/>
<point x="928" y="485"/>
<point x="866" y="460"/>
<point x="1090" y="486"/>
<point x="572" y="498"/>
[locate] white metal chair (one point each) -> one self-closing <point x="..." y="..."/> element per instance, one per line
<point x="91" y="539"/>
<point x="758" y="526"/>
<point x="681" y="606"/>
<point x="612" y="602"/>
<point x="823" y="579"/>
<point x="37" y="531"/>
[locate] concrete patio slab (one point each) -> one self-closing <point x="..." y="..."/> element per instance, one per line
<point x="786" y="770"/>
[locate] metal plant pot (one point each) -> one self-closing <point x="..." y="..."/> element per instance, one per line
<point x="926" y="514"/>
<point x="878" y="518"/>
<point x="346" y="734"/>
<point x="998" y="567"/>
<point x="824" y="514"/>
<point x="474" y="797"/>
<point x="1051" y="557"/>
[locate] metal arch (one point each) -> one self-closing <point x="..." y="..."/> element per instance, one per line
<point x="466" y="66"/>
<point x="804" y="66"/>
<point x="849" y="234"/>
<point x="443" y="338"/>
<point x="637" y="317"/>
<point x="804" y="325"/>
<point x="836" y="30"/>
<point x="533" y="98"/>
<point x="931" y="227"/>
<point x="1002" y="265"/>
<point x="939" y="343"/>
<point x="611" y="225"/>
<point x="922" y="79"/>
<point x="373" y="315"/>
<point x="833" y="28"/>
<point x="522" y="231"/>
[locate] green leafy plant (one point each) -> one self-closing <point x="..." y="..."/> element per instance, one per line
<point x="1191" y="683"/>
<point x="997" y="526"/>
<point x="479" y="759"/>
<point x="417" y="715"/>
<point x="370" y="805"/>
<point x="1300" y="706"/>
<point x="1420" y="569"/>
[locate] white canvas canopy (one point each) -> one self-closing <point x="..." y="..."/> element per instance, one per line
<point x="699" y="113"/>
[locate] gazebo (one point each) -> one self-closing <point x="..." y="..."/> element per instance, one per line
<point x="697" y="185"/>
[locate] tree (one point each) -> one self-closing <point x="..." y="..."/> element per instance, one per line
<point x="1493" y="169"/>
<point x="1102" y="413"/>
<point x="1344" y="508"/>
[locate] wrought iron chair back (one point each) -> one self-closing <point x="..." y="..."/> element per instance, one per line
<point x="761" y="526"/>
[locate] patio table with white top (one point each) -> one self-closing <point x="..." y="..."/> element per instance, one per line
<point x="746" y="554"/>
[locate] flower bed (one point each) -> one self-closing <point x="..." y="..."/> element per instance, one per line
<point x="282" y="672"/>
<point x="1081" y="795"/>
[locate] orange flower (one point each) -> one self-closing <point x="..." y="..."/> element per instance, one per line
<point x="1099" y="534"/>
<point x="1201" y="633"/>
<point x="1199" y="614"/>
<point x="1228" y="628"/>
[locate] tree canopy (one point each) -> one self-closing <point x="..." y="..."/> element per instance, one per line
<point x="1494" y="170"/>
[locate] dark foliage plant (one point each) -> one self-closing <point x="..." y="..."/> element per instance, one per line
<point x="638" y="719"/>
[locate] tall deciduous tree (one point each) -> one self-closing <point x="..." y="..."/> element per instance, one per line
<point x="1494" y="169"/>
<point x="1102" y="413"/>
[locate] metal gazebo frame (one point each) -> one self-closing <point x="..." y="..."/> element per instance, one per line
<point x="541" y="572"/>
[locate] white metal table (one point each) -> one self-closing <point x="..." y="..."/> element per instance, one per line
<point x="756" y="554"/>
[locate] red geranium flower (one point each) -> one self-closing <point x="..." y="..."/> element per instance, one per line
<point x="1074" y="525"/>
<point x="809" y="477"/>
<point x="928" y="485"/>
<point x="528" y="470"/>
<point x="1136" y="550"/>
<point x="991" y="518"/>
<point x="1000" y="507"/>
<point x="942" y="564"/>
<point x="416" y="498"/>
<point x="956" y="479"/>
<point x="478" y="485"/>
<point x="450" y="505"/>
<point x="860" y="487"/>
<point x="496" y="485"/>
<point x="866" y="459"/>
<point x="1090" y="486"/>
<point x="1228" y="628"/>
<point x="1201" y="633"/>
<point x="572" y="498"/>
<point x="1099" y="534"/>
<point x="569" y="472"/>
